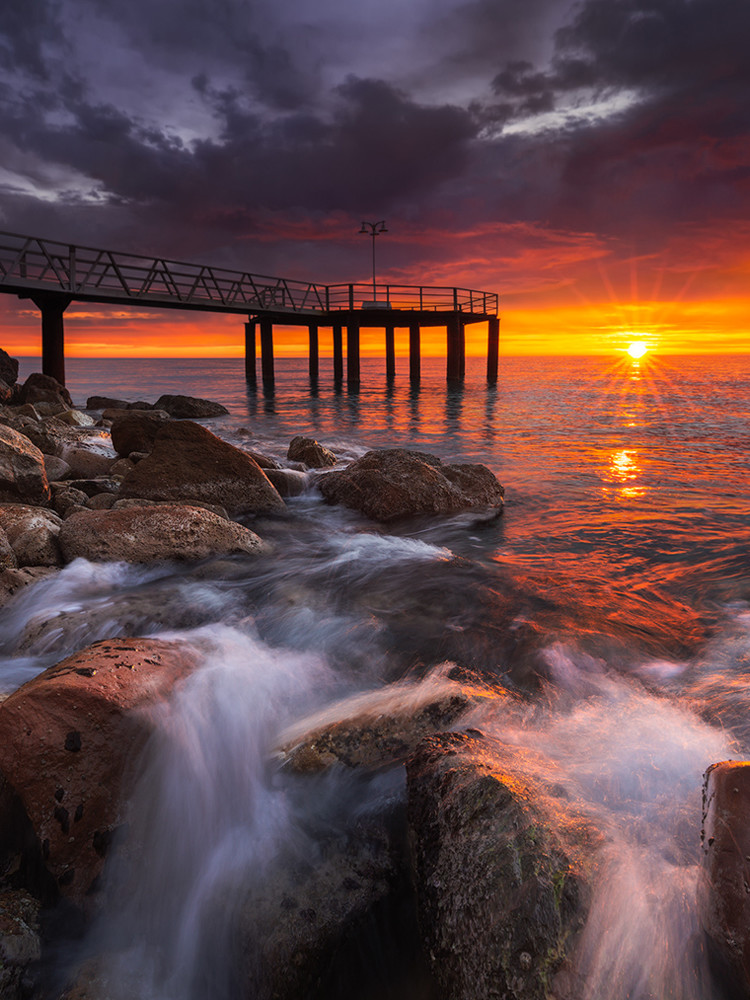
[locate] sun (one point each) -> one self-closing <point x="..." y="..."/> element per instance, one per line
<point x="637" y="349"/>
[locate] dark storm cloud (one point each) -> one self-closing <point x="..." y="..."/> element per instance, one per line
<point x="24" y="30"/>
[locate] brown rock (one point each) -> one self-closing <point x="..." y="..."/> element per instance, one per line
<point x="92" y="487"/>
<point x="154" y="533"/>
<point x="288" y="482"/>
<point x="375" y="729"/>
<point x="13" y="580"/>
<point x="20" y="944"/>
<point x="56" y="468"/>
<point x="263" y="460"/>
<point x="32" y="532"/>
<point x="65" y="497"/>
<point x="87" y="458"/>
<point x="309" y="451"/>
<point x="136" y="430"/>
<point x="502" y="890"/>
<point x="38" y="388"/>
<point x="101" y="501"/>
<point x="724" y="893"/>
<point x="393" y="483"/>
<point x="105" y="403"/>
<point x="8" y="368"/>
<point x="189" y="407"/>
<point x="6" y="392"/>
<point x="23" y="478"/>
<point x="7" y="555"/>
<point x="68" y="739"/>
<point x="188" y="461"/>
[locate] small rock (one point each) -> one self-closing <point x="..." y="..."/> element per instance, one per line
<point x="189" y="407"/>
<point x="33" y="534"/>
<point x="105" y="403"/>
<point x="76" y="418"/>
<point x="309" y="451"/>
<point x="101" y="501"/>
<point x="288" y="482"/>
<point x="56" y="468"/>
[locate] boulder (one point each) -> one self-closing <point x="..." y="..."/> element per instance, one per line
<point x="724" y="892"/>
<point x="106" y="403"/>
<point x="392" y="483"/>
<point x="122" y="467"/>
<point x="288" y="482"/>
<point x="376" y="729"/>
<point x="68" y="741"/>
<point x="6" y="392"/>
<point x="189" y="462"/>
<point x="23" y="478"/>
<point x="189" y="407"/>
<point x="56" y="468"/>
<point x="309" y="451"/>
<point x="8" y="368"/>
<point x="87" y="458"/>
<point x="263" y="460"/>
<point x="20" y="943"/>
<point x="101" y="501"/>
<point x="65" y="497"/>
<point x="501" y="891"/>
<point x="154" y="533"/>
<point x="43" y="388"/>
<point x="136" y="430"/>
<point x="32" y="532"/>
<point x="76" y="418"/>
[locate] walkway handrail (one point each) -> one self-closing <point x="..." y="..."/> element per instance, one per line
<point x="29" y="263"/>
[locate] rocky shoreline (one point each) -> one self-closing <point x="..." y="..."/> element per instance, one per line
<point x="476" y="883"/>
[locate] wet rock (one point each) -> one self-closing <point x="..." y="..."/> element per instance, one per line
<point x="43" y="388"/>
<point x="13" y="580"/>
<point x="309" y="451"/>
<point x="263" y="460"/>
<point x="375" y="729"/>
<point x="393" y="483"/>
<point x="23" y="477"/>
<point x="20" y="943"/>
<point x="7" y="555"/>
<point x="136" y="430"/>
<point x="501" y="891"/>
<point x="56" y="468"/>
<point x="724" y="893"/>
<point x="189" y="462"/>
<point x="105" y="403"/>
<point x="189" y="407"/>
<point x="288" y="482"/>
<point x="76" y="418"/>
<point x="33" y="534"/>
<point x="154" y="533"/>
<point x="8" y="368"/>
<point x="78" y="727"/>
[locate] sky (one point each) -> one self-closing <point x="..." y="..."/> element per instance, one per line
<point x="589" y="162"/>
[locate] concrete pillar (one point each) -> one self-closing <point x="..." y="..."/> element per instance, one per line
<point x="415" y="359"/>
<point x="493" y="342"/>
<point x="313" y="362"/>
<point x="390" y="351"/>
<point x="266" y="350"/>
<point x="456" y="349"/>
<point x="52" y="306"/>
<point x="352" y="354"/>
<point x="338" y="353"/>
<point x="250" y="369"/>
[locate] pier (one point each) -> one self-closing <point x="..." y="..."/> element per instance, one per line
<point x="52" y="275"/>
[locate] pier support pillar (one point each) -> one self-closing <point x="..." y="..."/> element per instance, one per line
<point x="250" y="367"/>
<point x="456" y="366"/>
<point x="266" y="350"/>
<point x="390" y="352"/>
<point x="493" y="343"/>
<point x="313" y="356"/>
<point x="415" y="357"/>
<point x="352" y="354"/>
<point x="338" y="353"/>
<point x="52" y="306"/>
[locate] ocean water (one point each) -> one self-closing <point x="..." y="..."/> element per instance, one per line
<point x="613" y="595"/>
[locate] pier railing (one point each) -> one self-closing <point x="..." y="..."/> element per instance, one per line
<point x="29" y="264"/>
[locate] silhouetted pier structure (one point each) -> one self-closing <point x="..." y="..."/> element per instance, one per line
<point x="53" y="274"/>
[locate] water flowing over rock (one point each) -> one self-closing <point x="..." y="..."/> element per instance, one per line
<point x="12" y="580"/>
<point x="725" y="891"/>
<point x="189" y="407"/>
<point x="68" y="739"/>
<point x="137" y="430"/>
<point x="33" y="534"/>
<point x="500" y="893"/>
<point x="23" y="477"/>
<point x="392" y="483"/>
<point x="289" y="482"/>
<point x="153" y="533"/>
<point x="8" y="368"/>
<point x="311" y="452"/>
<point x="188" y="462"/>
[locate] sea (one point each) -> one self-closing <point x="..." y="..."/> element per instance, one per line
<point x="611" y="598"/>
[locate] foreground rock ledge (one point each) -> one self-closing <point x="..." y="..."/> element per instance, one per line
<point x="392" y="483"/>
<point x="68" y="739"/>
<point x="501" y="892"/>
<point x="725" y="891"/>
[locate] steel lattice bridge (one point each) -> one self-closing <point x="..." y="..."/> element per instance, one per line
<point x="54" y="274"/>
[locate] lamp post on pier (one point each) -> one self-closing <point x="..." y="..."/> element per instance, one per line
<point x="373" y="229"/>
